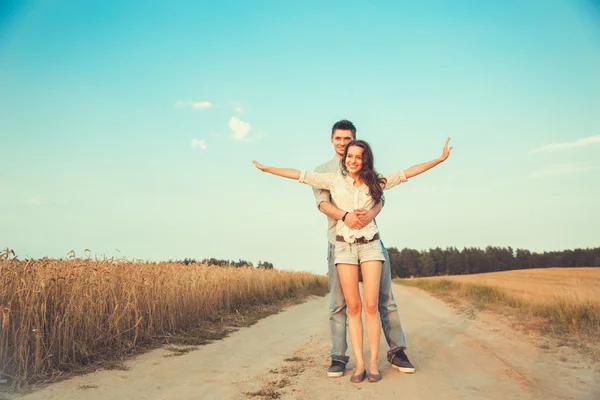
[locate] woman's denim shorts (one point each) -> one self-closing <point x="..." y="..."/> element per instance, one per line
<point x="352" y="253"/>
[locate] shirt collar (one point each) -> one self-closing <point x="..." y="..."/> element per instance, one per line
<point x="351" y="181"/>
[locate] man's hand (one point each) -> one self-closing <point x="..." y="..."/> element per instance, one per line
<point x="352" y="221"/>
<point x="364" y="216"/>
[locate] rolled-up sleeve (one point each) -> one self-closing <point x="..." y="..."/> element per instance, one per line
<point x="322" y="195"/>
<point x="394" y="179"/>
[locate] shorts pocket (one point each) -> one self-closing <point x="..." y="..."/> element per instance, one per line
<point x="341" y="247"/>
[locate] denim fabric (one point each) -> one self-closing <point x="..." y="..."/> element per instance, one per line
<point x="337" y="312"/>
<point x="388" y="310"/>
<point x="346" y="253"/>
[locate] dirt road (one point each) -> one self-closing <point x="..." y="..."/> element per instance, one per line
<point x="458" y="355"/>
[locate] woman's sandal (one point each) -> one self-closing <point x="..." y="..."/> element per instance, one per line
<point x="358" y="378"/>
<point x="373" y="377"/>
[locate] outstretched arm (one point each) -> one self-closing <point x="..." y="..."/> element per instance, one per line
<point x="284" y="172"/>
<point x="314" y="179"/>
<point x="420" y="168"/>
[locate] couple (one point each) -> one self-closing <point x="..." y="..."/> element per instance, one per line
<point x="350" y="192"/>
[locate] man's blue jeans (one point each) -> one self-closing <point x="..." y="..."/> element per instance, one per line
<point x="388" y="310"/>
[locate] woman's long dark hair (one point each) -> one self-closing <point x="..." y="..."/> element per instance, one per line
<point x="367" y="173"/>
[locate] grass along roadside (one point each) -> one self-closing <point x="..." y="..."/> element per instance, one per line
<point x="59" y="317"/>
<point x="577" y="321"/>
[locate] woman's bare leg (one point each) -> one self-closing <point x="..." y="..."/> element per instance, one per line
<point x="348" y="274"/>
<point x="371" y="273"/>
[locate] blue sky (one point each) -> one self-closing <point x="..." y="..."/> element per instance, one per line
<point x="131" y="125"/>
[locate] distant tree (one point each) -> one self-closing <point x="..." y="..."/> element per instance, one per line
<point x="523" y="259"/>
<point x="476" y="260"/>
<point x="579" y="258"/>
<point x="438" y="258"/>
<point x="501" y="259"/>
<point x="395" y="265"/>
<point x="265" y="265"/>
<point x="242" y="263"/>
<point x="409" y="259"/>
<point x="453" y="261"/>
<point x="427" y="264"/>
<point x="223" y="263"/>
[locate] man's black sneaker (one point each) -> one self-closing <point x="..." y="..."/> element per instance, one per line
<point x="336" y="369"/>
<point x="400" y="361"/>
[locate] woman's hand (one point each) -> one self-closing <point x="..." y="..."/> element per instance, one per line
<point x="353" y="221"/>
<point x="259" y="165"/>
<point x="446" y="151"/>
<point x="283" y="172"/>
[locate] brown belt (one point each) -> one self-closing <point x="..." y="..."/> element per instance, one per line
<point x="360" y="240"/>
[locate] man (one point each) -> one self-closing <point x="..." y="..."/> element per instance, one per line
<point x="341" y="134"/>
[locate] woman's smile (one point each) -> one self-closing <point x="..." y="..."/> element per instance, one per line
<point x="354" y="161"/>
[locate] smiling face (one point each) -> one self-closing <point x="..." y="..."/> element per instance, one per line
<point x="340" y="139"/>
<point x="354" y="160"/>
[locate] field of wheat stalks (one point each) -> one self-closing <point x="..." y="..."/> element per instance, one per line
<point x="56" y="314"/>
<point x="567" y="299"/>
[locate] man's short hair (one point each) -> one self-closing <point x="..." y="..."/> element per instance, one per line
<point x="344" y="125"/>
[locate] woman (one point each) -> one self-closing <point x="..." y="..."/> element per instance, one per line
<point x="358" y="186"/>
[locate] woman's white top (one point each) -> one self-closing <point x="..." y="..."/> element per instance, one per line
<point x="347" y="197"/>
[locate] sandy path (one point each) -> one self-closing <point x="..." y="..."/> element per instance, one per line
<point x="457" y="355"/>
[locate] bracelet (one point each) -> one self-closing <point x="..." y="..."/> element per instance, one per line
<point x="344" y="217"/>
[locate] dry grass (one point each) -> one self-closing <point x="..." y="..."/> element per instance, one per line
<point x="570" y="284"/>
<point x="57" y="315"/>
<point x="566" y="299"/>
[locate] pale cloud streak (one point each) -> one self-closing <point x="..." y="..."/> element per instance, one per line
<point x="200" y="144"/>
<point x="196" y="105"/>
<point x="240" y="129"/>
<point x="238" y="107"/>
<point x="564" y="169"/>
<point x="582" y="142"/>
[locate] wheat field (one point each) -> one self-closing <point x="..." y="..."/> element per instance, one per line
<point x="566" y="299"/>
<point x="539" y="285"/>
<point x="57" y="314"/>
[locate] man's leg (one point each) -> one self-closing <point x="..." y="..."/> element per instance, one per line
<point x="337" y="320"/>
<point x="390" y="319"/>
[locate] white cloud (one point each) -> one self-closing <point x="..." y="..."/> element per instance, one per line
<point x="238" y="107"/>
<point x="197" y="105"/>
<point x="564" y="169"/>
<point x="201" y="144"/>
<point x="240" y="129"/>
<point x="34" y="202"/>
<point x="582" y="142"/>
<point x="201" y="105"/>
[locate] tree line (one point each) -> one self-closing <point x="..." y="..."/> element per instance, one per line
<point x="226" y="263"/>
<point x="471" y="260"/>
<point x="451" y="261"/>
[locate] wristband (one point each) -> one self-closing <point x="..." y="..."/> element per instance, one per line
<point x="344" y="217"/>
